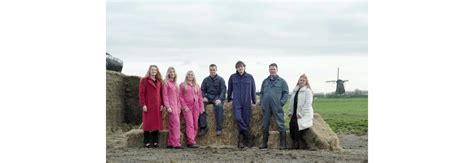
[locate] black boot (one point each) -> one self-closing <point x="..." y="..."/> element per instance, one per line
<point x="247" y="139"/>
<point x="302" y="144"/>
<point x="147" y="139"/>
<point x="155" y="138"/>
<point x="241" y="141"/>
<point x="265" y="141"/>
<point x="296" y="144"/>
<point x="282" y="140"/>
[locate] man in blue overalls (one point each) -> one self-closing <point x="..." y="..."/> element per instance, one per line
<point x="273" y="96"/>
<point x="242" y="94"/>
<point x="213" y="92"/>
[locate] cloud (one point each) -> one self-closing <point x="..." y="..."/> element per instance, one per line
<point x="306" y="28"/>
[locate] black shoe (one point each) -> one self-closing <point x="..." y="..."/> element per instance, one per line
<point x="155" y="145"/>
<point x="169" y="146"/>
<point x="193" y="146"/>
<point x="219" y="133"/>
<point x="178" y="147"/>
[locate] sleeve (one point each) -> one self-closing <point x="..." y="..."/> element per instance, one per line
<point x="254" y="100"/>
<point x="204" y="88"/>
<point x="165" y="95"/>
<point x="284" y="96"/>
<point x="229" y="91"/>
<point x="141" y="92"/>
<point x="308" y="102"/>
<point x="181" y="95"/>
<point x="223" y="90"/>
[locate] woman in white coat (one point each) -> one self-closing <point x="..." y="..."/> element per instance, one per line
<point x="300" y="110"/>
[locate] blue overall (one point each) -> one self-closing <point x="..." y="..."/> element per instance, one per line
<point x="274" y="94"/>
<point x="242" y="94"/>
<point x="213" y="89"/>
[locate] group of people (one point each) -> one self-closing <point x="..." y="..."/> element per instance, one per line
<point x="189" y="99"/>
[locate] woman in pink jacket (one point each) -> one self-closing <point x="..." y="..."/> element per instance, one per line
<point x="173" y="107"/>
<point x="190" y="97"/>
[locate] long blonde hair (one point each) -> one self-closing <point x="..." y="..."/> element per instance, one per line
<point x="305" y="78"/>
<point x="158" y="74"/>
<point x="168" y="76"/>
<point x="194" y="83"/>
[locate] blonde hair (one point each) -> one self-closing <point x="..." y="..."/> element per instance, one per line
<point x="305" y="78"/>
<point x="168" y="76"/>
<point x="194" y="83"/>
<point x="158" y="74"/>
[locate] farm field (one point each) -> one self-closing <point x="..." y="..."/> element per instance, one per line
<point x="344" y="115"/>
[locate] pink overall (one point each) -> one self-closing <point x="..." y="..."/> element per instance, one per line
<point x="171" y="100"/>
<point x="192" y="101"/>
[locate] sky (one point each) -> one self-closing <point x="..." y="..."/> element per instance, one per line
<point x="311" y="37"/>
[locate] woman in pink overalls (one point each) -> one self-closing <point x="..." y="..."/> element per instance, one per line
<point x="173" y="107"/>
<point x="192" y="105"/>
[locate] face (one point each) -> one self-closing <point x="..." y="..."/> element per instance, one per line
<point x="190" y="77"/>
<point x="153" y="71"/>
<point x="240" y="69"/>
<point x="273" y="70"/>
<point x="172" y="74"/>
<point x="212" y="71"/>
<point x="302" y="82"/>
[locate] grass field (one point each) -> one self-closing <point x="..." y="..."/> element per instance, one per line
<point x="344" y="115"/>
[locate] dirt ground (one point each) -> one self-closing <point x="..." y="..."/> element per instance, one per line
<point x="355" y="150"/>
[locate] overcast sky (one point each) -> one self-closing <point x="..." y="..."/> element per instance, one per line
<point x="312" y="37"/>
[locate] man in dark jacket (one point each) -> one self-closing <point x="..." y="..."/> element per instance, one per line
<point x="273" y="95"/>
<point x="213" y="92"/>
<point x="242" y="94"/>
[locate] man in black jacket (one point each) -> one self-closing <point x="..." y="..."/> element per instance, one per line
<point x="213" y="92"/>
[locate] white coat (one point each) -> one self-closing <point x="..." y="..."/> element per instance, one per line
<point x="304" y="108"/>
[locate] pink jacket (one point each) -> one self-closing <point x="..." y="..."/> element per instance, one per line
<point x="191" y="100"/>
<point x="171" y="96"/>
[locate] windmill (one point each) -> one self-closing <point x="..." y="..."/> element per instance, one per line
<point x="339" y="84"/>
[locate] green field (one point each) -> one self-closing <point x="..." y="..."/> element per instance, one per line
<point x="344" y="115"/>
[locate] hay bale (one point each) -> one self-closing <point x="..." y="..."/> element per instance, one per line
<point x="132" y="110"/>
<point x="114" y="99"/>
<point x="321" y="136"/>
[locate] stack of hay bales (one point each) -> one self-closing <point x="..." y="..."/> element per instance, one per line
<point x="122" y="105"/>
<point x="133" y="112"/>
<point x="318" y="137"/>
<point x="114" y="99"/>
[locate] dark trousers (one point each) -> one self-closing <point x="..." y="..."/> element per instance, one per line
<point x="242" y="115"/>
<point x="218" y="114"/>
<point x="295" y="133"/>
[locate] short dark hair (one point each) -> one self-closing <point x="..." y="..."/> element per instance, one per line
<point x="273" y="65"/>
<point x="213" y="65"/>
<point x="239" y="63"/>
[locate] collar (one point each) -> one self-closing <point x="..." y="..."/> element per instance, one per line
<point x="275" y="78"/>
